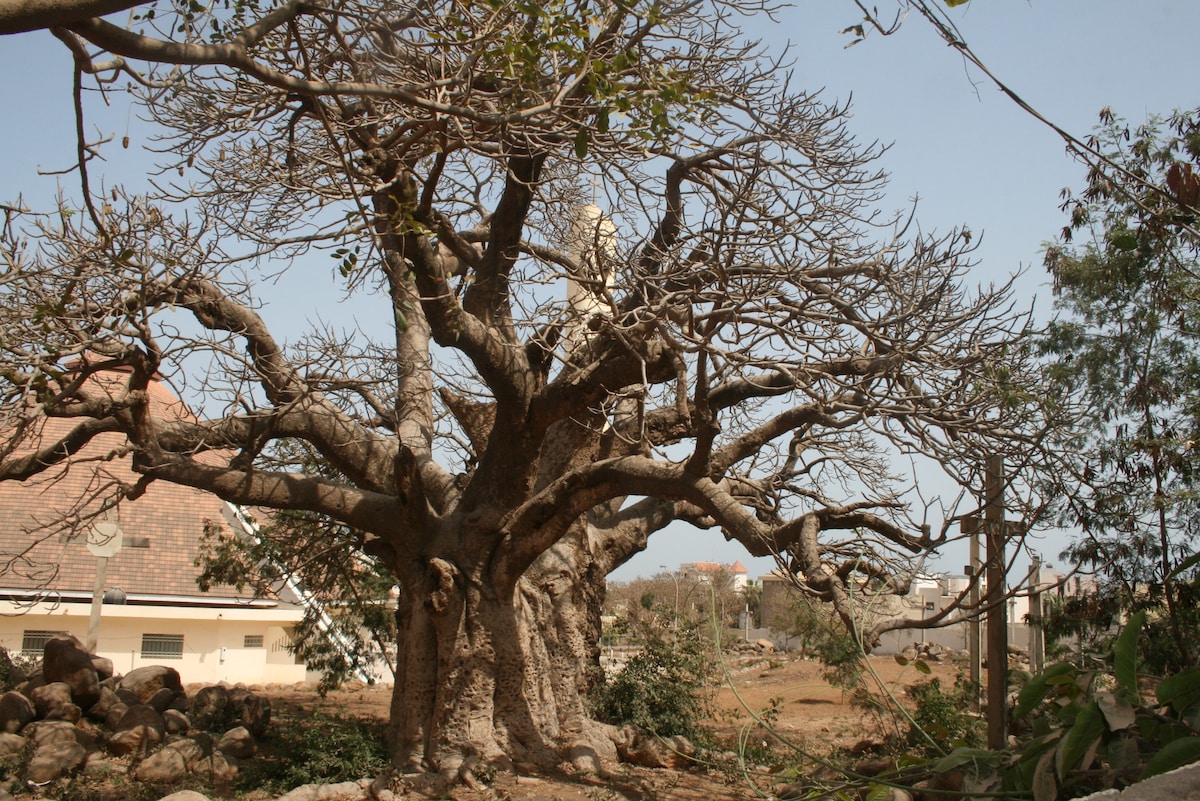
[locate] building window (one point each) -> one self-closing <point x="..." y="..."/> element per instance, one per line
<point x="252" y="641"/>
<point x="33" y="642"/>
<point x="162" y="646"/>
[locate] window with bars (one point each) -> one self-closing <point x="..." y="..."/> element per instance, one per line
<point x="162" y="646"/>
<point x="33" y="641"/>
<point x="252" y="641"/>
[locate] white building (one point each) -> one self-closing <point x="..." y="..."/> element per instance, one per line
<point x="708" y="571"/>
<point x="158" y="615"/>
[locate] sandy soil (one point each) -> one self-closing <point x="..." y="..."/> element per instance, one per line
<point x="806" y="713"/>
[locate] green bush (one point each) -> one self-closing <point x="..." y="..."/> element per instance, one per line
<point x="14" y="669"/>
<point x="826" y="638"/>
<point x="322" y="749"/>
<point x="944" y="715"/>
<point x="663" y="690"/>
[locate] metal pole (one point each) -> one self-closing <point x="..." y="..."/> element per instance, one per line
<point x="997" y="623"/>
<point x="93" y="635"/>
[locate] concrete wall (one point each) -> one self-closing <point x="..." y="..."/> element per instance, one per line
<point x="214" y="639"/>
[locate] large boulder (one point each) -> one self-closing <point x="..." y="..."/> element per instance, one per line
<point x="139" y="731"/>
<point x="167" y="766"/>
<point x="104" y="667"/>
<point x="163" y="699"/>
<point x="238" y="743"/>
<point x="144" y="682"/>
<point x="53" y="702"/>
<point x="182" y="795"/>
<point x="114" y="714"/>
<point x="256" y="714"/>
<point x="67" y="660"/>
<point x="140" y="715"/>
<point x="100" y="709"/>
<point x="176" y="722"/>
<point x="16" y="710"/>
<point x="45" y="732"/>
<point x="648" y="751"/>
<point x="11" y="745"/>
<point x="209" y="707"/>
<point x="53" y="760"/>
<point x="195" y="751"/>
<point x="220" y="767"/>
<point x="138" y="740"/>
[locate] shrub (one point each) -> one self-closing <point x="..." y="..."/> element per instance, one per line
<point x="663" y="689"/>
<point x="14" y="669"/>
<point x="321" y="749"/>
<point x="944" y="715"/>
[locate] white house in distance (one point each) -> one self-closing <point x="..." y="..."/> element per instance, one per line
<point x="738" y="575"/>
<point x="154" y="612"/>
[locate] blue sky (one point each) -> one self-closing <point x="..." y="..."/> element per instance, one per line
<point x="964" y="150"/>
<point x="967" y="152"/>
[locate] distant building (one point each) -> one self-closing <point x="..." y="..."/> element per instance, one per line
<point x="154" y="612"/>
<point x="927" y="596"/>
<point x="707" y="571"/>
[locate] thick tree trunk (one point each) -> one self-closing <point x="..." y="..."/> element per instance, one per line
<point x="499" y="674"/>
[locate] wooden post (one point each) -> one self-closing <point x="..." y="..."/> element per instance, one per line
<point x="1037" y="638"/>
<point x="970" y="527"/>
<point x="997" y="613"/>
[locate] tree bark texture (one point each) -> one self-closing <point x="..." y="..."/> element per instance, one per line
<point x="498" y="673"/>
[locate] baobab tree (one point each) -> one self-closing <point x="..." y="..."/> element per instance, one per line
<point x="631" y="276"/>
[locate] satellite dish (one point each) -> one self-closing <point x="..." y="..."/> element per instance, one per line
<point x="105" y="539"/>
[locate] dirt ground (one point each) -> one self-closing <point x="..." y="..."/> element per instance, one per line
<point x="806" y="713"/>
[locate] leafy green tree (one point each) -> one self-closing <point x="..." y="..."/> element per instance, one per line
<point x="348" y="628"/>
<point x="1127" y="338"/>
<point x="752" y="596"/>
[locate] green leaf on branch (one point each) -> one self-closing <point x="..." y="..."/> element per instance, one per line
<point x="1185" y="565"/>
<point x="1035" y="691"/>
<point x="1174" y="754"/>
<point x="1125" y="654"/>
<point x="1125" y="242"/>
<point x="1079" y="746"/>
<point x="1181" y="692"/>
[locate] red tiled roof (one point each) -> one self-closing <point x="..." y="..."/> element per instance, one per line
<point x="42" y="546"/>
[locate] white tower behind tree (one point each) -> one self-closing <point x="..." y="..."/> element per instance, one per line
<point x="592" y="245"/>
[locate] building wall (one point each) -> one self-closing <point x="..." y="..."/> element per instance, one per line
<point x="214" y="639"/>
<point x="926" y="598"/>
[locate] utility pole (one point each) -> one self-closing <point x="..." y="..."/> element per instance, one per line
<point x="104" y="541"/>
<point x="997" y="624"/>
<point x="970" y="527"/>
<point x="1037" y="637"/>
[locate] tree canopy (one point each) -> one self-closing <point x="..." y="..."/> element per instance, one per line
<point x="1125" y="281"/>
<point x="632" y="276"/>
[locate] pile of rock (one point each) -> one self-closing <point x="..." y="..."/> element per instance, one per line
<point x="928" y="652"/>
<point x="75" y="714"/>
<point x="751" y="647"/>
